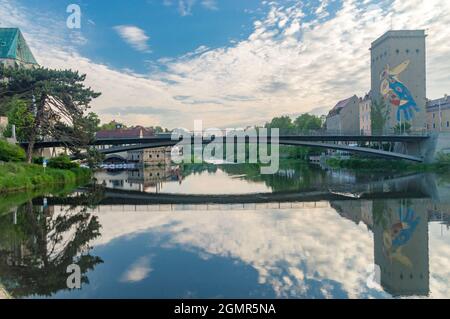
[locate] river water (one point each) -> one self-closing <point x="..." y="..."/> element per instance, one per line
<point x="205" y="231"/>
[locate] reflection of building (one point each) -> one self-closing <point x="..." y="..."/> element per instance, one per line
<point x="140" y="179"/>
<point x="401" y="249"/>
<point x="399" y="76"/>
<point x="14" y="50"/>
<point x="400" y="231"/>
<point x="438" y="113"/>
<point x="344" y="117"/>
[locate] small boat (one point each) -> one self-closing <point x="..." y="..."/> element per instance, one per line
<point x="347" y="194"/>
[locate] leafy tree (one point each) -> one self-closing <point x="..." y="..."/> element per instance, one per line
<point x="93" y="122"/>
<point x="307" y="122"/>
<point x="283" y="123"/>
<point x="19" y="116"/>
<point x="112" y="125"/>
<point x="10" y="152"/>
<point x="404" y="127"/>
<point x="57" y="101"/>
<point x="94" y="157"/>
<point x="379" y="116"/>
<point x="62" y="162"/>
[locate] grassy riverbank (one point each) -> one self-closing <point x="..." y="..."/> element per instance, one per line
<point x="20" y="177"/>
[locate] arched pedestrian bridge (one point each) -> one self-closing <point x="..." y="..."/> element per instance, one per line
<point x="414" y="143"/>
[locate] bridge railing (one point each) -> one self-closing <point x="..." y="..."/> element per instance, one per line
<point x="324" y="132"/>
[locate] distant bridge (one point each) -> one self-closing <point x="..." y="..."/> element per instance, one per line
<point x="117" y="145"/>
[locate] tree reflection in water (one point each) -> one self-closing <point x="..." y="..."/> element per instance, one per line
<point x="38" y="244"/>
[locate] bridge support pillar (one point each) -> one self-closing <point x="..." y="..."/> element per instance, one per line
<point x="428" y="149"/>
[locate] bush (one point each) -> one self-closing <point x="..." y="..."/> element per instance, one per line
<point x="10" y="152"/>
<point x="38" y="160"/>
<point x="62" y="162"/>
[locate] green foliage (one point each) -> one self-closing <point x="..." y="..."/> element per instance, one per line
<point x="20" y="116"/>
<point x="60" y="101"/>
<point x="307" y="122"/>
<point x="301" y="125"/>
<point x="112" y="126"/>
<point x="443" y="161"/>
<point x="10" y="152"/>
<point x="62" y="162"/>
<point x="94" y="158"/>
<point x="379" y="116"/>
<point x="376" y="164"/>
<point x="25" y="177"/>
<point x="403" y="128"/>
<point x="283" y="123"/>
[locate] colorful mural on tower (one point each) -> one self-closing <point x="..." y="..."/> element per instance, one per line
<point x="397" y="93"/>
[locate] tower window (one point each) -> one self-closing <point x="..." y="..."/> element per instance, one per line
<point x="397" y="51"/>
<point x="407" y="51"/>
<point x="417" y="50"/>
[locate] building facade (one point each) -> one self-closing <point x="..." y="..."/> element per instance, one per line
<point x="438" y="115"/>
<point x="398" y="76"/>
<point x="151" y="156"/>
<point x="344" y="117"/>
<point x="14" y="50"/>
<point x="365" y="111"/>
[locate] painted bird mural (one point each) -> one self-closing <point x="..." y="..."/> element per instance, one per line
<point x="397" y="93"/>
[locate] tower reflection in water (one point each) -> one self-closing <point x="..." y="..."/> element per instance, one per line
<point x="401" y="248"/>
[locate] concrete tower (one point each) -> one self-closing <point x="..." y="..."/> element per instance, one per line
<point x="398" y="71"/>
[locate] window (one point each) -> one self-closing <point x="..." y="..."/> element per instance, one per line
<point x="434" y="125"/>
<point x="407" y="51"/>
<point x="434" y="115"/>
<point x="448" y="123"/>
<point x="417" y="51"/>
<point x="397" y="51"/>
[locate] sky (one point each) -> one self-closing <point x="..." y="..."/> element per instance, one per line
<point x="229" y="63"/>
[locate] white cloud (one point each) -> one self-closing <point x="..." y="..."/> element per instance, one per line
<point x="287" y="65"/>
<point x="210" y="4"/>
<point x="137" y="271"/>
<point x="134" y="36"/>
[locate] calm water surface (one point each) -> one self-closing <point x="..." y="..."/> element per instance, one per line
<point x="204" y="231"/>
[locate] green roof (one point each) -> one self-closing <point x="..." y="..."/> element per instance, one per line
<point x="14" y="46"/>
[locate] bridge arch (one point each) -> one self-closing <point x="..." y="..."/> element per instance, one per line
<point x="287" y="142"/>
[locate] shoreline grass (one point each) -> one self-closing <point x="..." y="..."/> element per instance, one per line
<point x="22" y="177"/>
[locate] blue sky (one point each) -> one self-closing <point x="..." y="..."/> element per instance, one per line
<point x="227" y="62"/>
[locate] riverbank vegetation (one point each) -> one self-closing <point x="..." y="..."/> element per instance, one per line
<point x="16" y="175"/>
<point x="442" y="164"/>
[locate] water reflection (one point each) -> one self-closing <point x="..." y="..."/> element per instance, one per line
<point x="320" y="249"/>
<point x="37" y="245"/>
